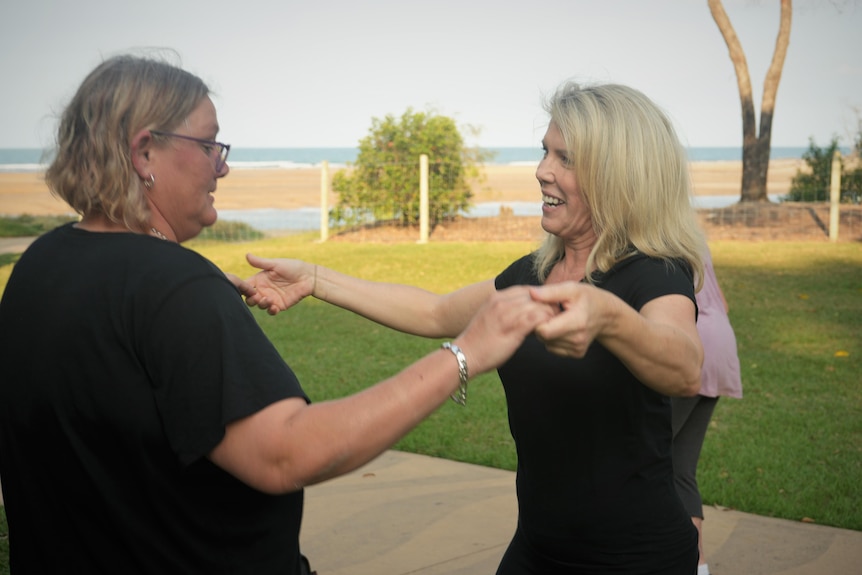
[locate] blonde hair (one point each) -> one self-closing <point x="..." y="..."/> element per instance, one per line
<point x="92" y="168"/>
<point x="632" y="172"/>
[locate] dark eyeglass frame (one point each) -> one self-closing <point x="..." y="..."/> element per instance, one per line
<point x="223" y="149"/>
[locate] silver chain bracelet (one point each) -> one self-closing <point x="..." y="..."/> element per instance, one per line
<point x="459" y="397"/>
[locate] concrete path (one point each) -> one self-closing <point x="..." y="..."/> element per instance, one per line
<point x="14" y="245"/>
<point x="411" y="514"/>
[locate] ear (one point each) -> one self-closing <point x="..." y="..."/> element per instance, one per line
<point x="142" y="145"/>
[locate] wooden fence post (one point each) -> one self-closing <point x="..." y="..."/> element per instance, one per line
<point x="324" y="201"/>
<point x="423" y="199"/>
<point x="835" y="196"/>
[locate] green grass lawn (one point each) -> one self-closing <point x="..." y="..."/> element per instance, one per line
<point x="791" y="448"/>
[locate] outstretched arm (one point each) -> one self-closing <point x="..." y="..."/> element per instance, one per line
<point x="659" y="345"/>
<point x="284" y="282"/>
<point x="289" y="444"/>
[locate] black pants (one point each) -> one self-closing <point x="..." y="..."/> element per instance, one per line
<point x="690" y="421"/>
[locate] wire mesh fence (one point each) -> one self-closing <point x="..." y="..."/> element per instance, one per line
<point x="353" y="207"/>
<point x="783" y="221"/>
<point x="521" y="221"/>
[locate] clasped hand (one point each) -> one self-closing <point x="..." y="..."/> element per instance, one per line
<point x="580" y="320"/>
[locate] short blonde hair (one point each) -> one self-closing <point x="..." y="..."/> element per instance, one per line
<point x="92" y="168"/>
<point x="632" y="172"/>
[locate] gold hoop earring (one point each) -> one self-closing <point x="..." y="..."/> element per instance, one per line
<point x="151" y="182"/>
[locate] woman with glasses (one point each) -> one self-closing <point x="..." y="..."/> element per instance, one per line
<point x="588" y="393"/>
<point x="147" y="425"/>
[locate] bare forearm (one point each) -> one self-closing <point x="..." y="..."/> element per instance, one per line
<point x="335" y="437"/>
<point x="289" y="444"/>
<point x="406" y="308"/>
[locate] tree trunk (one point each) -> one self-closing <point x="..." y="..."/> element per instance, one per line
<point x="756" y="146"/>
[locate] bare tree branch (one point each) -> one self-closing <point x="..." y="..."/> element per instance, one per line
<point x="756" y="143"/>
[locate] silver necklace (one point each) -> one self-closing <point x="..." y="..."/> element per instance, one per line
<point x="158" y="234"/>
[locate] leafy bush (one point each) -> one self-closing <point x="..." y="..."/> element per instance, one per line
<point x="851" y="183"/>
<point x="383" y="183"/>
<point x="814" y="185"/>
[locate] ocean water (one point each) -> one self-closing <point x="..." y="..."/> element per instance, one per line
<point x="34" y="159"/>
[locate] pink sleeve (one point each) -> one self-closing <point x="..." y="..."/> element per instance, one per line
<point x="720" y="375"/>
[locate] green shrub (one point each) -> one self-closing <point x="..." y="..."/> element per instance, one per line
<point x="383" y="184"/>
<point x="814" y="185"/>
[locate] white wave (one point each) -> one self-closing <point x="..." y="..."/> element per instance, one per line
<point x="22" y="167"/>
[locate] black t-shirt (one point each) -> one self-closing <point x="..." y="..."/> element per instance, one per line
<point x="124" y="357"/>
<point x="595" y="477"/>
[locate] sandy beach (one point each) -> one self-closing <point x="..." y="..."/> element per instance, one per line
<point x="26" y="193"/>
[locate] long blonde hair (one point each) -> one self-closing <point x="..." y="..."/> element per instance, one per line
<point x="92" y="169"/>
<point x="632" y="172"/>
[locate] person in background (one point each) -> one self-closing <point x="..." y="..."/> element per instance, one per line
<point x="588" y="393"/>
<point x="691" y="415"/>
<point x="147" y="425"/>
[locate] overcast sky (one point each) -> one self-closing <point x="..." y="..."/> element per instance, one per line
<point x="312" y="73"/>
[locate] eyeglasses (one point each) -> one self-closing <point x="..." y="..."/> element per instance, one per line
<point x="214" y="149"/>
